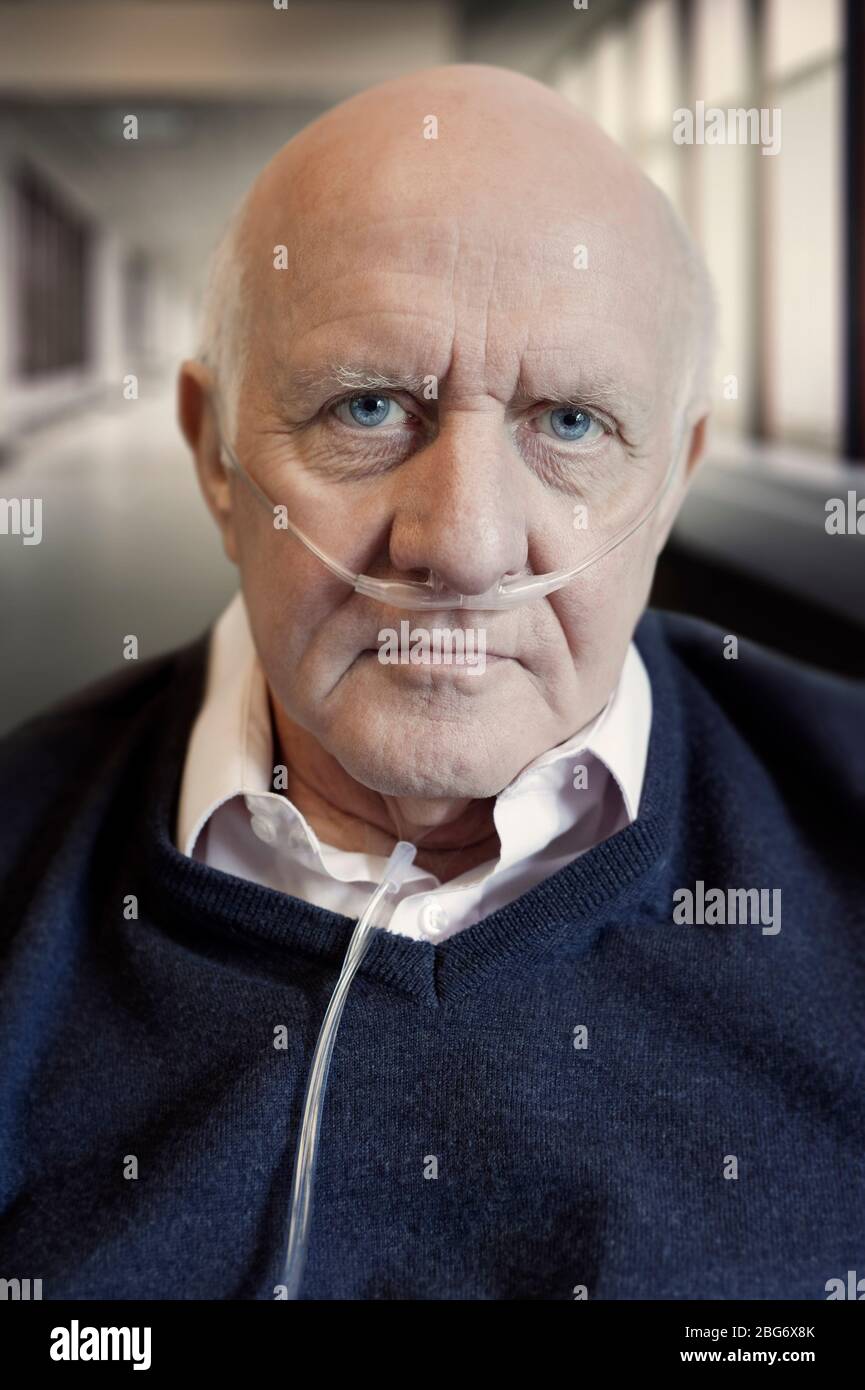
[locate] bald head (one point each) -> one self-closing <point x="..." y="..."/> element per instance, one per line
<point x="426" y="153"/>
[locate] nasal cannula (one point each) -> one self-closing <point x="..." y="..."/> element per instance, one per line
<point x="304" y="1167"/>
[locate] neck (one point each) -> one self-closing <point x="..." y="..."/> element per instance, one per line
<point x="452" y="835"/>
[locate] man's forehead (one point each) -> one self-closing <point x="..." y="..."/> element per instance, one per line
<point x="537" y="255"/>
<point x="400" y="297"/>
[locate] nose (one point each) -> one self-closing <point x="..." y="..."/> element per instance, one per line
<point x="461" y="506"/>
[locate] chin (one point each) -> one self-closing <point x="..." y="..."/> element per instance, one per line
<point x="426" y="758"/>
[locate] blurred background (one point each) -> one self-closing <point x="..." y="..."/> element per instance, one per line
<point x="104" y="242"/>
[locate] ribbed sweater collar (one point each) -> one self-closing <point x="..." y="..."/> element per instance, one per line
<point x="618" y="882"/>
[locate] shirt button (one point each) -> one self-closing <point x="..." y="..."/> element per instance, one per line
<point x="434" y="918"/>
<point x="264" y="829"/>
<point x="298" y="838"/>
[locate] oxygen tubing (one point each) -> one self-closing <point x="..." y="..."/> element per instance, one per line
<point x="300" y="1211"/>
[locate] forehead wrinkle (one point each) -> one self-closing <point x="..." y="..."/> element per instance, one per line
<point x="542" y="254"/>
<point x="549" y="242"/>
<point x="310" y="365"/>
<point x="363" y="274"/>
<point x="328" y="250"/>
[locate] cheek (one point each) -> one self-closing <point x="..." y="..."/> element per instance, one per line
<point x="599" y="610"/>
<point x="289" y="597"/>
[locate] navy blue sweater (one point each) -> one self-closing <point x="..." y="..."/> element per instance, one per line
<point x="706" y="1141"/>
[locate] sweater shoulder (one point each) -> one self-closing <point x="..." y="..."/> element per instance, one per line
<point x="77" y="736"/>
<point x="786" y="710"/>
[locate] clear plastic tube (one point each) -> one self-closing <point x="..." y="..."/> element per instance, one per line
<point x="300" y="1212"/>
<point x="431" y="593"/>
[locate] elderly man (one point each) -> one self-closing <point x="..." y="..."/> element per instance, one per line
<point x="606" y="1040"/>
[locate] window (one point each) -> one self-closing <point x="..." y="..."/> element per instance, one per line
<point x="52" y="247"/>
<point x="804" y="79"/>
<point x="724" y="192"/>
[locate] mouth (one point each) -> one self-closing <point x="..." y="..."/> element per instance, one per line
<point x="423" y="671"/>
<point x="438" y="652"/>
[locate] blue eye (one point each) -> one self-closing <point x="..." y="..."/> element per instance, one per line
<point x="368" y="409"/>
<point x="570" y="423"/>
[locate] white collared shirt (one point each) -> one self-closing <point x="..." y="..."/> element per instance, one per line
<point x="230" y="818"/>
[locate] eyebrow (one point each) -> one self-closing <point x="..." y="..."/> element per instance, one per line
<point x="593" y="386"/>
<point x="357" y="379"/>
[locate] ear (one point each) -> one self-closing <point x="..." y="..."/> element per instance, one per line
<point x="197" y="420"/>
<point x="697" y="446"/>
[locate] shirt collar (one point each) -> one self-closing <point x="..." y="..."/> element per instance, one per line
<point x="230" y="751"/>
